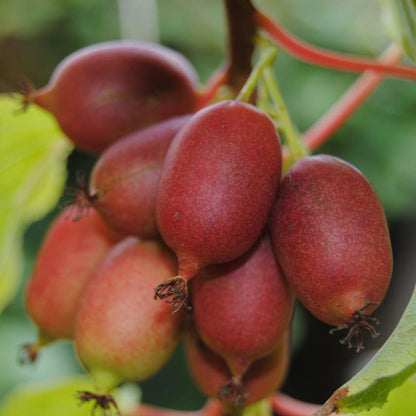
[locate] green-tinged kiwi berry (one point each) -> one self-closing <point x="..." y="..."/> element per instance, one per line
<point x="121" y="334"/>
<point x="68" y="255"/>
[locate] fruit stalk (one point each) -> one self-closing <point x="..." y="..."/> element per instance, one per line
<point x="294" y="145"/>
<point x="265" y="62"/>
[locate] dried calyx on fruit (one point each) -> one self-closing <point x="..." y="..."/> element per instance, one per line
<point x="105" y="91"/>
<point x="68" y="255"/>
<point x="241" y="310"/>
<point x="332" y="242"/>
<point x="121" y="334"/>
<point x="216" y="189"/>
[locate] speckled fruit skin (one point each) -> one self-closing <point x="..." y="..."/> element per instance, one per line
<point x="68" y="255"/>
<point x="241" y="309"/>
<point x="121" y="333"/>
<point x="331" y="238"/>
<point x="210" y="371"/>
<point x="105" y="91"/>
<point x="126" y="175"/>
<point x="218" y="184"/>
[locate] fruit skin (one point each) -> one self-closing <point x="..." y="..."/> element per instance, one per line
<point x="121" y="334"/>
<point x="331" y="239"/>
<point x="105" y="91"/>
<point x="241" y="309"/>
<point x="218" y="184"/>
<point x="124" y="180"/>
<point x="210" y="371"/>
<point x="68" y="255"/>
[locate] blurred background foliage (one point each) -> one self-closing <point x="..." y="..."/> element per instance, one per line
<point x="380" y="139"/>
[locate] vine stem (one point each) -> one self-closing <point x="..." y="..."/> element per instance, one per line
<point x="241" y="41"/>
<point x="349" y="102"/>
<point x="329" y="59"/>
<point x="287" y="406"/>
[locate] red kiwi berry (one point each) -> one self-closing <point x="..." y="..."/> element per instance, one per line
<point x="242" y="309"/>
<point x="106" y="91"/>
<point x="332" y="241"/>
<point x="68" y="255"/>
<point x="211" y="373"/>
<point x="216" y="189"/>
<point x="121" y="334"/>
<point x="124" y="180"/>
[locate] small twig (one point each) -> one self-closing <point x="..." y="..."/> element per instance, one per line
<point x="262" y="65"/>
<point x="295" y="146"/>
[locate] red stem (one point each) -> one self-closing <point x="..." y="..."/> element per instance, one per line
<point x="286" y="406"/>
<point x="215" y="82"/>
<point x="211" y="408"/>
<point x="318" y="56"/>
<point x="323" y="129"/>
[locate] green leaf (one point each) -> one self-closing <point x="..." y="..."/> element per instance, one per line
<point x="60" y="398"/>
<point x="399" y="18"/>
<point x="51" y="399"/>
<point x="33" y="153"/>
<point x="401" y="401"/>
<point x="393" y="364"/>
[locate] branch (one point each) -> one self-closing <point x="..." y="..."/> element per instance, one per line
<point x="352" y="99"/>
<point x="324" y="58"/>
<point x="241" y="38"/>
<point x="241" y="42"/>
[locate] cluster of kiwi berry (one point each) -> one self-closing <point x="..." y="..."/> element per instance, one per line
<point x="187" y="205"/>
